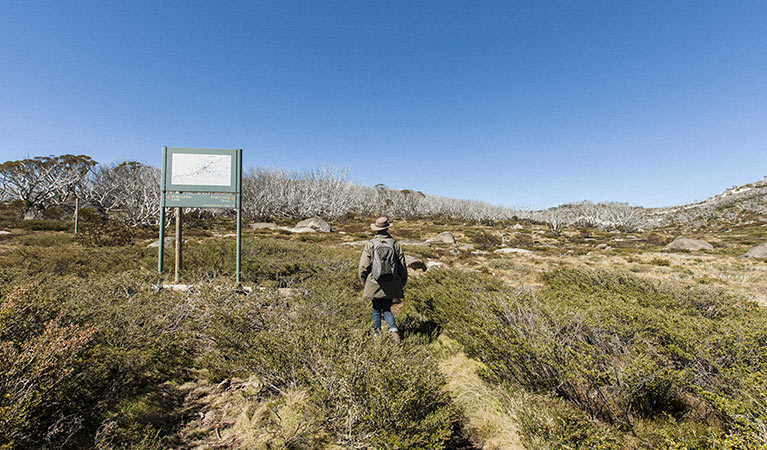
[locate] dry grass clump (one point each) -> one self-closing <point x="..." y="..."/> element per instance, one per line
<point x="243" y="414"/>
<point x="488" y="412"/>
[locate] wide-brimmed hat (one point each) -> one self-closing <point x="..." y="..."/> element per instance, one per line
<point x="382" y="223"/>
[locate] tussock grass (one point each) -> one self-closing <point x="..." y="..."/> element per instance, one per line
<point x="488" y="411"/>
<point x="242" y="414"/>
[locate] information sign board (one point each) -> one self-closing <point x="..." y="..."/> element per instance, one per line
<point x="199" y="178"/>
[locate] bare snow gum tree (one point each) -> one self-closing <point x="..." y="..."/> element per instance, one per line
<point x="44" y="181"/>
<point x="131" y="191"/>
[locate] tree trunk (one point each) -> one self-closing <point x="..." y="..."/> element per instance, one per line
<point x="32" y="213"/>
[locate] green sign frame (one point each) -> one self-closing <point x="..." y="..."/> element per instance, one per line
<point x="200" y="178"/>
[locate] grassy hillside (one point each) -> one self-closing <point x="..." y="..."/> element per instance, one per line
<point x="588" y="340"/>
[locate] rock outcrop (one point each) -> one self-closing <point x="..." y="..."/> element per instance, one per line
<point x="760" y="251"/>
<point x="413" y="243"/>
<point x="685" y="243"/>
<point x="305" y="226"/>
<point x="316" y="223"/>
<point x="445" y="237"/>
<point x="168" y="242"/>
<point x="302" y="230"/>
<point x="518" y="251"/>
<point x="435" y="265"/>
<point x="414" y="263"/>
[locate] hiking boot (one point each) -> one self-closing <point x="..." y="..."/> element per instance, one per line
<point x="395" y="336"/>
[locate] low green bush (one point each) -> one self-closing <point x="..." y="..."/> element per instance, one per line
<point x="40" y="375"/>
<point x="520" y="239"/>
<point x="10" y="214"/>
<point x="420" y="251"/>
<point x="505" y="264"/>
<point x="311" y="237"/>
<point x="74" y="349"/>
<point x="81" y="261"/>
<point x="90" y="215"/>
<point x="54" y="213"/>
<point x="45" y="225"/>
<point x="658" y="239"/>
<point x="484" y="240"/>
<point x="281" y="263"/>
<point x="110" y="233"/>
<point x="550" y="423"/>
<point x="45" y="239"/>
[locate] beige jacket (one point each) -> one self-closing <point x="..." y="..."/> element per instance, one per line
<point x="390" y="288"/>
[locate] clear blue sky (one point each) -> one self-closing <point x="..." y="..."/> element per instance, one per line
<point x="516" y="103"/>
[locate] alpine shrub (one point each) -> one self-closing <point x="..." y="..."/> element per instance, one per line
<point x="620" y="348"/>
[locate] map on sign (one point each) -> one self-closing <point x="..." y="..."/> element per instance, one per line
<point x="201" y="169"/>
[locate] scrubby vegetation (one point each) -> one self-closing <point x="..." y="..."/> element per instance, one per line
<point x="651" y="359"/>
<point x="95" y="356"/>
<point x="79" y="354"/>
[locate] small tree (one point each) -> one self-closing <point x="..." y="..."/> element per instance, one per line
<point x="138" y="195"/>
<point x="44" y="181"/>
<point x="555" y="218"/>
<point x="130" y="190"/>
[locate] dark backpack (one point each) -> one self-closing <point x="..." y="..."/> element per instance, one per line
<point x="385" y="259"/>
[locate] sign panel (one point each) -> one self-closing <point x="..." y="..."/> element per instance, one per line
<point x="201" y="169"/>
<point x="200" y="200"/>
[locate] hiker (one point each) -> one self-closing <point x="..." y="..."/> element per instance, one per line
<point x="383" y="271"/>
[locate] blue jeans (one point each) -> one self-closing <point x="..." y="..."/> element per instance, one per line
<point x="383" y="306"/>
